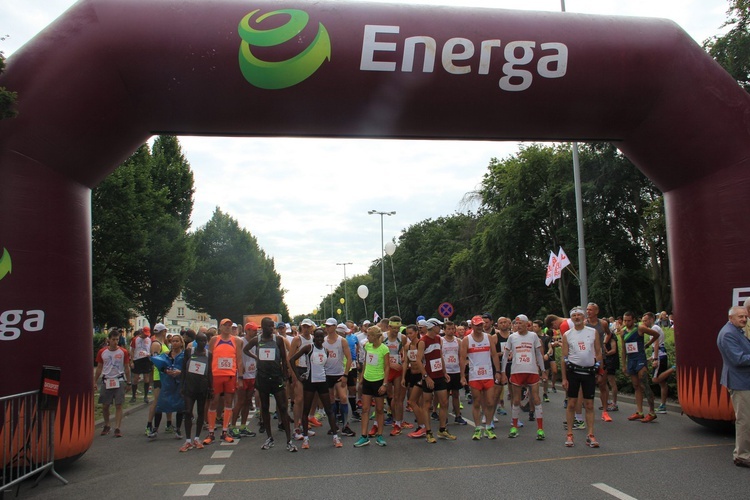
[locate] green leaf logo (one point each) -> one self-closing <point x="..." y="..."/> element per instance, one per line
<point x="5" y="265"/>
<point x="281" y="74"/>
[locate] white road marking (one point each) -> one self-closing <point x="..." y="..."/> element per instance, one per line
<point x="211" y="469"/>
<point x="222" y="454"/>
<point x="615" y="493"/>
<point x="199" y="490"/>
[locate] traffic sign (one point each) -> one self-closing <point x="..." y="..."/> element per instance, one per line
<point x="446" y="309"/>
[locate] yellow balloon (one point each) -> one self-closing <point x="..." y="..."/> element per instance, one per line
<point x="338" y="311"/>
<point x="342" y="300"/>
<point x="315" y="311"/>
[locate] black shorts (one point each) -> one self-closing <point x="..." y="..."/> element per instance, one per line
<point x="351" y="379"/>
<point x="143" y="365"/>
<point x="332" y="380"/>
<point x="269" y="384"/>
<point x="546" y="365"/>
<point x="455" y="382"/>
<point x="663" y="366"/>
<point x="371" y="388"/>
<point x="612" y="364"/>
<point x="440" y="385"/>
<point x="319" y="387"/>
<point x="414" y="380"/>
<point x="577" y="381"/>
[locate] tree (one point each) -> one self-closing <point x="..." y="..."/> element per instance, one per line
<point x="232" y="275"/>
<point x="171" y="172"/>
<point x="732" y="50"/>
<point x="7" y="98"/>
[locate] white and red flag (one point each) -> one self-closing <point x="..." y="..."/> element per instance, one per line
<point x="550" y="278"/>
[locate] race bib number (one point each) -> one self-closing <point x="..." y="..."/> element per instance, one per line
<point x="523" y="359"/>
<point x="250" y="366"/>
<point x="631" y="347"/>
<point x="480" y="372"/>
<point x="412" y="355"/>
<point x="581" y="346"/>
<point x="266" y="354"/>
<point x="318" y="359"/>
<point x="332" y="354"/>
<point x="395" y="360"/>
<point x="142" y="354"/>
<point x="112" y="383"/>
<point x="225" y="363"/>
<point x="372" y="358"/>
<point x="451" y="360"/>
<point x="436" y="365"/>
<point x="197" y="367"/>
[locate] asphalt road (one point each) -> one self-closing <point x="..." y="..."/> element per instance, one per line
<point x="669" y="458"/>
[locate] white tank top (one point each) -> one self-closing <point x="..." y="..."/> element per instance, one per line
<point x="480" y="361"/>
<point x="251" y="364"/>
<point x="317" y="364"/>
<point x="450" y="354"/>
<point x="335" y="362"/>
<point x="302" y="360"/>
<point x="581" y="346"/>
<point x="394" y="350"/>
<point x="142" y="347"/>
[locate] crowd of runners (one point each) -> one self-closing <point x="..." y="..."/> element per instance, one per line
<point x="385" y="379"/>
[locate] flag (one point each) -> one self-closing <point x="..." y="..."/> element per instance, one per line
<point x="375" y="317"/>
<point x="556" y="269"/>
<point x="563" y="259"/>
<point x="550" y="269"/>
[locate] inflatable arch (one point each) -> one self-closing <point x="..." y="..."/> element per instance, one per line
<point x="107" y="75"/>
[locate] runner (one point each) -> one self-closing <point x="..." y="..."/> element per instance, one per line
<point x="375" y="368"/>
<point x="226" y="367"/>
<point x="313" y="379"/>
<point x="526" y="352"/>
<point x="197" y="385"/>
<point x="412" y="379"/>
<point x="582" y="355"/>
<point x="337" y="366"/>
<point x="396" y="391"/>
<point x="480" y="350"/>
<point x="451" y="349"/>
<point x="140" y="362"/>
<point x="246" y="392"/>
<point x="300" y="366"/>
<point x="634" y="359"/>
<point x="435" y="378"/>
<point x="602" y="329"/>
<point x="659" y="361"/>
<point x="272" y="372"/>
<point x="113" y="366"/>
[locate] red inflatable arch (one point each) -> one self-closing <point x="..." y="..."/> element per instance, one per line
<point x="107" y="75"/>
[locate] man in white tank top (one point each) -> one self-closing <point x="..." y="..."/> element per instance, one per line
<point x="582" y="357"/>
<point x="304" y="338"/>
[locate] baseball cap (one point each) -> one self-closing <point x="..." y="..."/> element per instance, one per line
<point x="421" y="322"/>
<point x="147" y="329"/>
<point x="234" y="325"/>
<point x="281" y="325"/>
<point x="522" y="317"/>
<point x="433" y="322"/>
<point x="366" y="322"/>
<point x="308" y="322"/>
<point x="331" y="322"/>
<point x="420" y="318"/>
<point x="224" y="321"/>
<point x="487" y="315"/>
<point x="477" y="320"/>
<point x="342" y="328"/>
<point x="159" y="327"/>
<point x="288" y="327"/>
<point x="251" y="326"/>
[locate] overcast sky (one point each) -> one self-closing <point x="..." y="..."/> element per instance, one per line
<point x="263" y="183"/>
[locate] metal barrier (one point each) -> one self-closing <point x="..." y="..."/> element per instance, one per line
<point x="27" y="436"/>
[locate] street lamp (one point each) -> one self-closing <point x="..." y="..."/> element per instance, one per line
<point x="332" y="309"/>
<point x="382" y="255"/>
<point x="346" y="297"/>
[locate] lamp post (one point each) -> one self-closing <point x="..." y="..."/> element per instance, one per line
<point x="382" y="255"/>
<point x="346" y="297"/>
<point x="324" y="305"/>
<point x="332" y="309"/>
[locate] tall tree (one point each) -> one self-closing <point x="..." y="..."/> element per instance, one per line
<point x="732" y="50"/>
<point x="171" y="172"/>
<point x="7" y="98"/>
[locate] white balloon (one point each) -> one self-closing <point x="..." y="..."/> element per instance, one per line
<point x="363" y="291"/>
<point x="390" y="248"/>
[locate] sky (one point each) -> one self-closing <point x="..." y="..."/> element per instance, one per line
<point x="308" y="236"/>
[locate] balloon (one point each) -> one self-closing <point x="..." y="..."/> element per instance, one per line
<point x="342" y="300"/>
<point x="338" y="311"/>
<point x="390" y="248"/>
<point x="315" y="312"/>
<point x="363" y="292"/>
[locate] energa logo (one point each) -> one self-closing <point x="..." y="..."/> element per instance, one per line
<point x="280" y="74"/>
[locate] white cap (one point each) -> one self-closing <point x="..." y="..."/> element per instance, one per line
<point x="433" y="322"/>
<point x="159" y="327"/>
<point x="331" y="322"/>
<point x="522" y="317"/>
<point x="342" y="328"/>
<point x="308" y="322"/>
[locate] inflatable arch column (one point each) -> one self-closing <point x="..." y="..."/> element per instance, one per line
<point x="108" y="74"/>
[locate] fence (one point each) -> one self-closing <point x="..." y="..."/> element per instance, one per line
<point x="27" y="436"/>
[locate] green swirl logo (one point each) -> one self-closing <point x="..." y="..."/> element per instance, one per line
<point x="5" y="265"/>
<point x="281" y="74"/>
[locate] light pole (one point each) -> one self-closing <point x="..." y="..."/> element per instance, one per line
<point x="382" y="255"/>
<point x="332" y="309"/>
<point x="324" y="305"/>
<point x="346" y="297"/>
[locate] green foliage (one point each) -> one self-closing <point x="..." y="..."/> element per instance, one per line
<point x="232" y="275"/>
<point x="732" y="50"/>
<point x="7" y="98"/>
<point x="100" y="340"/>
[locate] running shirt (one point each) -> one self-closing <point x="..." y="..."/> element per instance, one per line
<point x="581" y="346"/>
<point x="394" y="351"/>
<point x="433" y="357"/>
<point x="375" y="359"/>
<point x="196" y="373"/>
<point x="501" y="343"/>
<point x="662" y="344"/>
<point x="164" y="349"/>
<point x="141" y="347"/>
<point x="317" y="358"/>
<point x="411" y="355"/>
<point x="224" y="358"/>
<point x="112" y="362"/>
<point x="633" y="342"/>
<point x="269" y="364"/>
<point x="480" y="359"/>
<point x="598" y="327"/>
<point x="352" y="340"/>
<point x="335" y="363"/>
<point x="251" y="364"/>
<point x="523" y="351"/>
<point x="302" y="360"/>
<point x="450" y="354"/>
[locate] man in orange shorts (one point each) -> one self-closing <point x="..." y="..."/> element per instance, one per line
<point x="226" y="366"/>
<point x="480" y="350"/>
